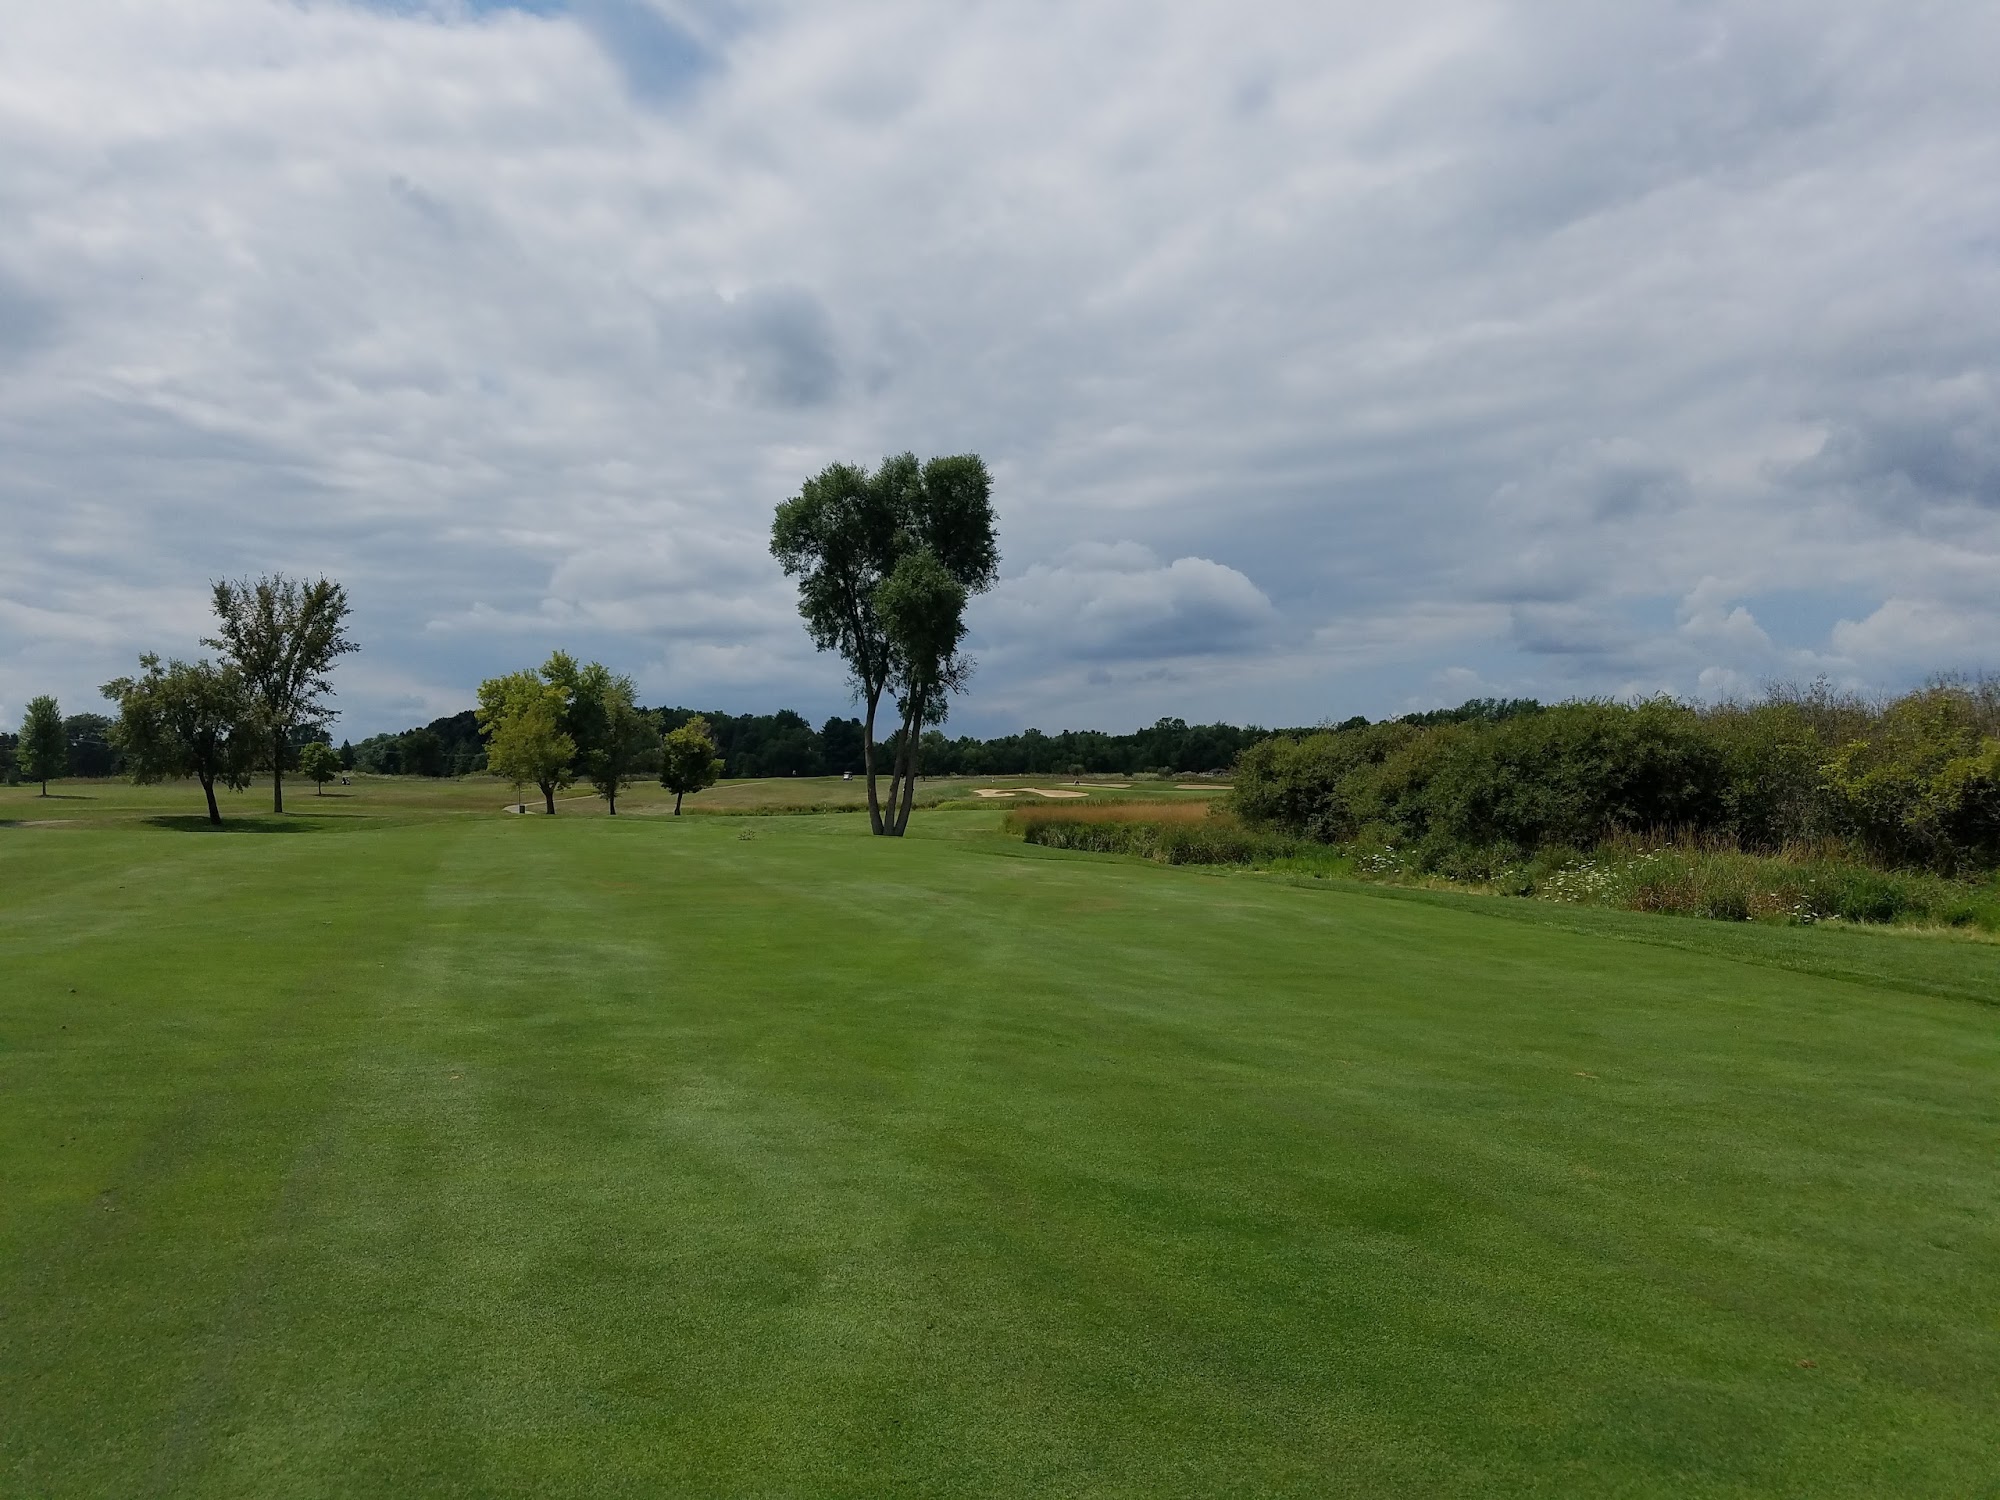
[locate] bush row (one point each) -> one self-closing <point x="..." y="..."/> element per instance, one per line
<point x="1911" y="784"/>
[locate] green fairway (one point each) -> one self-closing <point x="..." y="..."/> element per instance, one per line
<point x="404" y="1147"/>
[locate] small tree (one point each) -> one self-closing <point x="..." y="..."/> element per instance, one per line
<point x="187" y="720"/>
<point x="625" y="743"/>
<point x="689" y="762"/>
<point x="320" y="763"/>
<point x="521" y="717"/>
<point x="614" y="739"/>
<point x="44" y="748"/>
<point x="284" y="637"/>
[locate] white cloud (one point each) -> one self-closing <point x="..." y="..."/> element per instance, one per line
<point x="1912" y="635"/>
<point x="1119" y="601"/>
<point x="1473" y="332"/>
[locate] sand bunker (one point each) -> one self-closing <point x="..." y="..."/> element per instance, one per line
<point x="994" y="791"/>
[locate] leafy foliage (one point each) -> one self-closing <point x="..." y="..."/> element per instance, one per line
<point x="44" y="748"/>
<point x="283" y="636"/>
<point x="613" y="736"/>
<point x="92" y="749"/>
<point x="1912" y="784"/>
<point x="688" y="762"/>
<point x="522" y="717"/>
<point x="188" y="719"/>
<point x="885" y="563"/>
<point x="319" y="764"/>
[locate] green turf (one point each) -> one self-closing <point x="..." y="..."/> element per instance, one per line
<point x="407" y="1148"/>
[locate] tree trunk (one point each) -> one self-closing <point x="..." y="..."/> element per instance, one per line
<point x="549" y="796"/>
<point x="611" y="800"/>
<point x="45" y="792"/>
<point x="909" y="775"/>
<point x="677" y="804"/>
<point x="868" y="761"/>
<point x="214" y="812"/>
<point x="902" y="785"/>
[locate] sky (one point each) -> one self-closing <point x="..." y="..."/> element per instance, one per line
<point x="1329" y="358"/>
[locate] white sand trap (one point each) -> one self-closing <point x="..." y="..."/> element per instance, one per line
<point x="989" y="791"/>
<point x="1039" y="791"/>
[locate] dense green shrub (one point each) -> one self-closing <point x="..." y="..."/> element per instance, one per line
<point x="1923" y="787"/>
<point x="1574" y="773"/>
<point x="1914" y="784"/>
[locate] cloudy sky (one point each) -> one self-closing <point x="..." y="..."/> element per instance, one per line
<point x="1330" y="357"/>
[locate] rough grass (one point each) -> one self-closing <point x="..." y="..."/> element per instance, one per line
<point x="1022" y="818"/>
<point x="1686" y="877"/>
<point x="403" y="1148"/>
<point x="1176" y="835"/>
<point x="1702" y="878"/>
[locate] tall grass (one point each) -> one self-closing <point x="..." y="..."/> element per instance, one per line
<point x="1798" y="886"/>
<point x="1020" y="818"/>
<point x="1688" y="876"/>
<point x="1174" y="834"/>
<point x="1710" y="876"/>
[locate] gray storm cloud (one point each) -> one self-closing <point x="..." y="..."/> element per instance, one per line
<point x="1330" y="357"/>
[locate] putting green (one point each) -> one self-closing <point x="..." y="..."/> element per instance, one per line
<point x="393" y="1151"/>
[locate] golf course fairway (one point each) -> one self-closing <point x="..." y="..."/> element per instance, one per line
<point x="415" y="1152"/>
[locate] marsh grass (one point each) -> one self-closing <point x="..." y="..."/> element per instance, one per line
<point x="1021" y="819"/>
<point x="1687" y="875"/>
<point x="1796" y="886"/>
<point x="1698" y="876"/>
<point x="1173" y="834"/>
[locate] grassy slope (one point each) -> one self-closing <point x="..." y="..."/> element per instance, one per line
<point x="481" y="1155"/>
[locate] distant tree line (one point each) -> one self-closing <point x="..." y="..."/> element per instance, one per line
<point x="786" y="744"/>
<point x="1909" y="783"/>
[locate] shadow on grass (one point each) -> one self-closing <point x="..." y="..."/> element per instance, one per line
<point x="198" y="823"/>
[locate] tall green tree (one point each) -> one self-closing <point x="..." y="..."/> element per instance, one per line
<point x="319" y="763"/>
<point x="688" y="762"/>
<point x="522" y="719"/>
<point x="614" y="738"/>
<point x="44" y="749"/>
<point x="845" y="536"/>
<point x="284" y="636"/>
<point x="187" y="719"/>
<point x="922" y="610"/>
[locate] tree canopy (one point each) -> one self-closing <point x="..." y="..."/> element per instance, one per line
<point x="522" y="718"/>
<point x="319" y="763"/>
<point x="614" y="737"/>
<point x="688" y="761"/>
<point x="846" y="536"/>
<point x="44" y="748"/>
<point x="187" y="719"/>
<point x="283" y="636"/>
